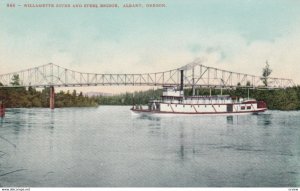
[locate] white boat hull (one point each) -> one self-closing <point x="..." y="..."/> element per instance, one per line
<point x="159" y="113"/>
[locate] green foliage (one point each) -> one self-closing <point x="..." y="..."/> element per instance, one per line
<point x="266" y="73"/>
<point x="15" y="80"/>
<point x="283" y="99"/>
<point x="20" y="97"/>
<point x="140" y="97"/>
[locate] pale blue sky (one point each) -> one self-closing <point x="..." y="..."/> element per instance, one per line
<point x="233" y="33"/>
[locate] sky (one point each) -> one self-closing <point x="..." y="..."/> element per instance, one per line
<point x="230" y="34"/>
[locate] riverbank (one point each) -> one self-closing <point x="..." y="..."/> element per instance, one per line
<point x="282" y="99"/>
<point x="27" y="98"/>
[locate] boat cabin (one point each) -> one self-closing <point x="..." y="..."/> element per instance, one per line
<point x="172" y="91"/>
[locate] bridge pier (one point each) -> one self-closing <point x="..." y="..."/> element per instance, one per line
<point x="2" y="109"/>
<point x="52" y="97"/>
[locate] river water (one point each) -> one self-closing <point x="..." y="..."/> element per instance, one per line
<point x="108" y="147"/>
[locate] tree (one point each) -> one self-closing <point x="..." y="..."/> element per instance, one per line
<point x="15" y="80"/>
<point x="266" y="73"/>
<point x="74" y="97"/>
<point x="248" y="83"/>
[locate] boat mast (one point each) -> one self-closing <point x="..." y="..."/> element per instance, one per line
<point x="193" y="87"/>
<point x="181" y="81"/>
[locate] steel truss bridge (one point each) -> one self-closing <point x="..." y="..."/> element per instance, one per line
<point x="195" y="75"/>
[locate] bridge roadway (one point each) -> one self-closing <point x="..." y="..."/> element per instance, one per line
<point x="195" y="75"/>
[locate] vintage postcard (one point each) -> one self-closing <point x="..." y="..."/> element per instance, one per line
<point x="149" y="93"/>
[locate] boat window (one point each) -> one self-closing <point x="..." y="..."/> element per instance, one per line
<point x="242" y="107"/>
<point x="248" y="107"/>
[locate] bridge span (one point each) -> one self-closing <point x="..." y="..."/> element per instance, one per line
<point x="195" y="75"/>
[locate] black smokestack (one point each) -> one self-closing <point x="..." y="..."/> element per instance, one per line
<point x="181" y="80"/>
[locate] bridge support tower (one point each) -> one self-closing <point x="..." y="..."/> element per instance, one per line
<point x="52" y="97"/>
<point x="2" y="109"/>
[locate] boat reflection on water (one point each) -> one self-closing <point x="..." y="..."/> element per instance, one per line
<point x="229" y="119"/>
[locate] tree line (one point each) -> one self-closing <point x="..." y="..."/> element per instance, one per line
<point x="138" y="97"/>
<point x="278" y="99"/>
<point x="21" y="97"/>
